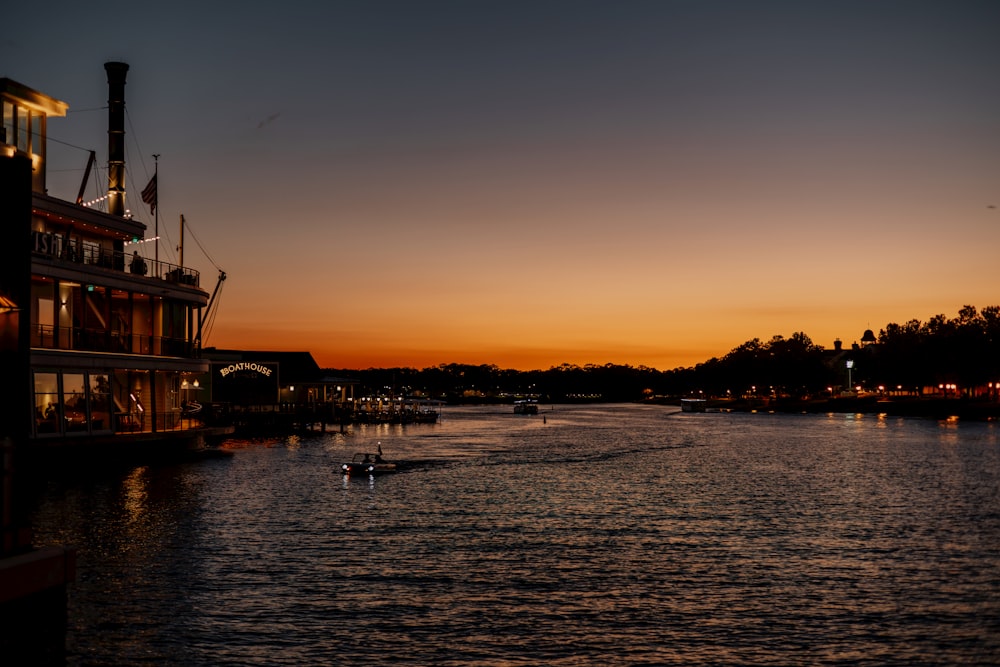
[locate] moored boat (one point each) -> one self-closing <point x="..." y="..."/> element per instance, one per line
<point x="693" y="404"/>
<point x="526" y="406"/>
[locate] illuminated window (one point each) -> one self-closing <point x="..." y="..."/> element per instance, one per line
<point x="47" y="410"/>
<point x="8" y="123"/>
<point x="100" y="402"/>
<point x="22" y="129"/>
<point x="74" y="402"/>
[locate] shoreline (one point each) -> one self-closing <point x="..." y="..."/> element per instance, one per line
<point x="926" y="408"/>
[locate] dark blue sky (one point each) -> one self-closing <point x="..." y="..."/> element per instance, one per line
<point x="637" y="182"/>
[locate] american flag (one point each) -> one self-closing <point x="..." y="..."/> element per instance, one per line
<point x="149" y="194"/>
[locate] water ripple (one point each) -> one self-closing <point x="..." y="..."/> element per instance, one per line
<point x="600" y="535"/>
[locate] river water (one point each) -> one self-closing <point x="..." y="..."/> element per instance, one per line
<point x="585" y="535"/>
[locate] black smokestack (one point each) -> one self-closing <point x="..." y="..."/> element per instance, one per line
<point x="116" y="137"/>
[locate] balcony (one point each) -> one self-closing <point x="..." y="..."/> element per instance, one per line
<point x="99" y="340"/>
<point x="93" y="254"/>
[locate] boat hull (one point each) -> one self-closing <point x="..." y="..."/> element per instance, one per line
<point x="525" y="408"/>
<point x="367" y="468"/>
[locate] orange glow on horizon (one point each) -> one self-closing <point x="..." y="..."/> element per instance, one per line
<point x="635" y="194"/>
<point x="694" y="341"/>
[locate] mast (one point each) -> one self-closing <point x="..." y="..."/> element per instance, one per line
<point x="156" y="212"/>
<point x="86" y="176"/>
<point x="180" y="248"/>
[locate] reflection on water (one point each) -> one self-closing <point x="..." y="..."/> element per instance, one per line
<point x="599" y="535"/>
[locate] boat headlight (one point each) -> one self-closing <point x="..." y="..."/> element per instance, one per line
<point x="345" y="468"/>
<point x="371" y="468"/>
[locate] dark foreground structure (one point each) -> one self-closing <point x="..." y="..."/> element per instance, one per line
<point x="97" y="342"/>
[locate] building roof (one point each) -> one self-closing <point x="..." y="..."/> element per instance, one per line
<point x="296" y="367"/>
<point x="32" y="99"/>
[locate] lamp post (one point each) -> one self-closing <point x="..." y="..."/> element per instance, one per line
<point x="850" y="365"/>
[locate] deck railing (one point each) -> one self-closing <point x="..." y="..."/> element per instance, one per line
<point x="100" y="340"/>
<point x="93" y="254"/>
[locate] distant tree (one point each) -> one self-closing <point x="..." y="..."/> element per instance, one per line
<point x="964" y="350"/>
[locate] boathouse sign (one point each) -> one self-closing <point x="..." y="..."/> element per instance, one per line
<point x="245" y="366"/>
<point x="245" y="382"/>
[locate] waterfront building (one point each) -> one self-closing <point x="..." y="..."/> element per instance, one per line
<point x="251" y="387"/>
<point x="101" y="337"/>
<point x="257" y="378"/>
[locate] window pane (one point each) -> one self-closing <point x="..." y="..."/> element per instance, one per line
<point x="36" y="133"/>
<point x="121" y="321"/>
<point x="43" y="313"/>
<point x="8" y="123"/>
<point x="95" y="318"/>
<point x="22" y="129"/>
<point x="142" y="324"/>
<point x="100" y="402"/>
<point x="74" y="402"/>
<point x="46" y="403"/>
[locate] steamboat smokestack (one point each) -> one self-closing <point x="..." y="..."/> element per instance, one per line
<point x="116" y="137"/>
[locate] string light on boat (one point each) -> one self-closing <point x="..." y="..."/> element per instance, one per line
<point x="137" y="241"/>
<point x="88" y="204"/>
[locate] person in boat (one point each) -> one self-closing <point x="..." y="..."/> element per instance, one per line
<point x="368" y="458"/>
<point x="378" y="458"/>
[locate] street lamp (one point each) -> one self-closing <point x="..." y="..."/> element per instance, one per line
<point x="850" y="365"/>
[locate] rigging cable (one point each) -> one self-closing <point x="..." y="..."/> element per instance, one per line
<point x="133" y="134"/>
<point x="205" y="252"/>
<point x="104" y="108"/>
<point x="66" y="143"/>
<point x="209" y="322"/>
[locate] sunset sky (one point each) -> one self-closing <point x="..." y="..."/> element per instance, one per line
<point x="528" y="184"/>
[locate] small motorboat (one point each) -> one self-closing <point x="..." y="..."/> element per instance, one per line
<point x="526" y="406"/>
<point x="367" y="463"/>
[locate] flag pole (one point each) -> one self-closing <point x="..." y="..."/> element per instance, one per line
<point x="156" y="211"/>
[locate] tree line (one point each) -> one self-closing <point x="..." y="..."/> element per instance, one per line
<point x="963" y="351"/>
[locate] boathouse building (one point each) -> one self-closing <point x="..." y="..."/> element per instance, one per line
<point x="262" y="378"/>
